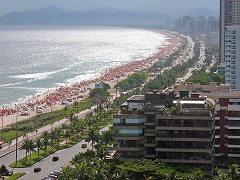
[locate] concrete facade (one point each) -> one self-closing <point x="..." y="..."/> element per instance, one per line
<point x="167" y="129"/>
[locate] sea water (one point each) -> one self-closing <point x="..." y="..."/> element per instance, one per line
<point x="34" y="59"/>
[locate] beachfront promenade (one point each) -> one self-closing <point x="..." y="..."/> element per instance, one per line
<point x="52" y="100"/>
<point x="186" y="55"/>
<point x="8" y="148"/>
<point x="7" y="154"/>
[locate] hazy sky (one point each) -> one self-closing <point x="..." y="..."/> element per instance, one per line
<point x="168" y="7"/>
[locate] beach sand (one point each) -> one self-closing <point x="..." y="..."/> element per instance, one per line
<point x="82" y="89"/>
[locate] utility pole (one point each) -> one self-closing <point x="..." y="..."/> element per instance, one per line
<point x="16" y="135"/>
<point x="77" y="107"/>
<point x="116" y="86"/>
<point x="2" y="127"/>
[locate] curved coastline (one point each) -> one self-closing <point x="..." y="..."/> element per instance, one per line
<point x="52" y="99"/>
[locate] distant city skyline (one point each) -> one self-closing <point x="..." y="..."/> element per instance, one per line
<point x="172" y="8"/>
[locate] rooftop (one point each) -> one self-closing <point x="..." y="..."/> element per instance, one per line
<point x="137" y="98"/>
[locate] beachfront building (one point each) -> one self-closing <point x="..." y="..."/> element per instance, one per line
<point x="186" y="136"/>
<point x="164" y="128"/>
<point x="130" y="124"/>
<point x="228" y="127"/>
<point x="227" y="115"/>
<point x="230" y="40"/>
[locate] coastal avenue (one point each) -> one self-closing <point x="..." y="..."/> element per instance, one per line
<point x="7" y="154"/>
<point x="48" y="166"/>
<point x="66" y="155"/>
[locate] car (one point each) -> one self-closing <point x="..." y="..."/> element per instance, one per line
<point x="55" y="158"/>
<point x="37" y="169"/>
<point x="52" y="176"/>
<point x="47" y="178"/>
<point x="84" y="145"/>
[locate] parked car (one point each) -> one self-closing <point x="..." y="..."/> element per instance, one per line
<point x="55" y="158"/>
<point x="37" y="169"/>
<point x="84" y="145"/>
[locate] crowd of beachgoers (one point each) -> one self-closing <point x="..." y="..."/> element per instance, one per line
<point x="55" y="99"/>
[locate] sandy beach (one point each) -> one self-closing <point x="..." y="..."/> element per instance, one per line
<point x="52" y="99"/>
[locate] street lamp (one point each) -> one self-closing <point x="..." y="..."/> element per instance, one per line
<point x="77" y="107"/>
<point x="116" y="85"/>
<point x="16" y="135"/>
<point x="2" y="127"/>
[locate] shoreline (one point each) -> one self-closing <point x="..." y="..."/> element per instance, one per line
<point x="51" y="100"/>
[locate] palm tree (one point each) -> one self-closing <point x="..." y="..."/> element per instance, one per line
<point x="102" y="151"/>
<point x="75" y="104"/>
<point x="38" y="143"/>
<point x="71" y="117"/>
<point x="233" y="172"/>
<point x="219" y="175"/>
<point x="107" y="137"/>
<point x="92" y="134"/>
<point x="66" y="135"/>
<point x="45" y="142"/>
<point x="80" y="127"/>
<point x="99" y="172"/>
<point x="172" y="176"/>
<point x="31" y="145"/>
<point x="81" y="171"/>
<point x="66" y="173"/>
<point x="121" y="174"/>
<point x="65" y="110"/>
<point x="25" y="146"/>
<point x="57" y="134"/>
<point x="52" y="138"/>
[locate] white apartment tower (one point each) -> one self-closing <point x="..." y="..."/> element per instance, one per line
<point x="230" y="41"/>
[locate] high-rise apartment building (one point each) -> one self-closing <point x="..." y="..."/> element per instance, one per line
<point x="161" y="127"/>
<point x="230" y="40"/>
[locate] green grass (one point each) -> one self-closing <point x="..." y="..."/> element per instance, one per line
<point x="25" y="162"/>
<point x="10" y="135"/>
<point x="16" y="176"/>
<point x="33" y="123"/>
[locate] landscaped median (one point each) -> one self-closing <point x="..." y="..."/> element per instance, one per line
<point x="15" y="176"/>
<point x="63" y="137"/>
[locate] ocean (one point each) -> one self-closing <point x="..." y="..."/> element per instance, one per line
<point x="34" y="59"/>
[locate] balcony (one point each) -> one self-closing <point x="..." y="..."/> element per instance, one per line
<point x="129" y="148"/>
<point x="233" y="107"/>
<point x="187" y="161"/>
<point x="218" y="107"/>
<point x="150" y="123"/>
<point x="234" y="155"/>
<point x="190" y="150"/>
<point x="129" y="137"/>
<point x="233" y="127"/>
<point x="182" y="128"/>
<point x="150" y="156"/>
<point x="128" y="126"/>
<point x="233" y="146"/>
<point x="184" y="139"/>
<point x="233" y="137"/>
<point x="150" y="145"/>
<point x="234" y="118"/>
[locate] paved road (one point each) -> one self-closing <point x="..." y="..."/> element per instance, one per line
<point x="47" y="165"/>
<point x="197" y="66"/>
<point x="8" y="149"/>
<point x="8" y="153"/>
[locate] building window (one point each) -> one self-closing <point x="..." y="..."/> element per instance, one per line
<point x="122" y="121"/>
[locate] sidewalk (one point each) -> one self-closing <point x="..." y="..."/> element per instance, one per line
<point x="6" y="148"/>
